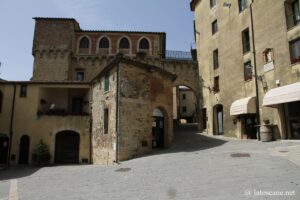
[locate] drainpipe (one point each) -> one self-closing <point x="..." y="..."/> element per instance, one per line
<point x="91" y="123"/>
<point x="11" y="125"/>
<point x="255" y="72"/>
<point x="117" y="116"/>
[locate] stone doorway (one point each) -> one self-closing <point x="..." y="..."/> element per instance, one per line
<point x="4" y="143"/>
<point x="67" y="147"/>
<point x="158" y="126"/>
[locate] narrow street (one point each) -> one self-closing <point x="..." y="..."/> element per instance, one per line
<point x="195" y="167"/>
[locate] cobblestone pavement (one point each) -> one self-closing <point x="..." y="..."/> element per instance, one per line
<point x="195" y="167"/>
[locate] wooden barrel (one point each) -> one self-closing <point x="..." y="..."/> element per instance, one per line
<point x="266" y="134"/>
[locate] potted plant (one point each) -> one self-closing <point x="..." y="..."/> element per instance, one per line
<point x="41" y="154"/>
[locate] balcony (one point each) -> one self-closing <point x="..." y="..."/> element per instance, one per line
<point x="62" y="101"/>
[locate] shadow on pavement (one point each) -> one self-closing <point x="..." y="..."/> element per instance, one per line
<point x="188" y="139"/>
<point x="17" y="172"/>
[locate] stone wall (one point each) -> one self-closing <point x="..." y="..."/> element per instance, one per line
<point x="142" y="92"/>
<point x="104" y="145"/>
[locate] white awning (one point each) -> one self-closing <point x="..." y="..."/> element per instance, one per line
<point x="243" y="106"/>
<point x="285" y="94"/>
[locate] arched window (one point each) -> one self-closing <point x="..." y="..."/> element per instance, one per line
<point x="104" y="43"/>
<point x="1" y="99"/>
<point x="124" y="43"/>
<point x="144" y="44"/>
<point x="84" y="43"/>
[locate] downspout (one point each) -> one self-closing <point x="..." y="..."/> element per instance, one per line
<point x="11" y="125"/>
<point x="91" y="124"/>
<point x="117" y="116"/>
<point x="255" y="72"/>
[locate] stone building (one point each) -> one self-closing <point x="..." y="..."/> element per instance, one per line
<point x="94" y="97"/>
<point x="248" y="54"/>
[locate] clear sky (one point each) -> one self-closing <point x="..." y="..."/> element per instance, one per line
<point x="16" y="24"/>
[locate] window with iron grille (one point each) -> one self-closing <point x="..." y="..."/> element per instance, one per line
<point x="216" y="59"/>
<point x="295" y="51"/>
<point x="247" y="71"/>
<point x="214" y="27"/>
<point x="246" y="40"/>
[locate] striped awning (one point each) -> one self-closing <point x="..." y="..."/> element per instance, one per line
<point x="243" y="106"/>
<point x="284" y="94"/>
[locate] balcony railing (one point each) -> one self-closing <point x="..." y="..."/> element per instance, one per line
<point x="178" y="55"/>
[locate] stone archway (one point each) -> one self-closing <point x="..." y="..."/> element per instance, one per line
<point x="67" y="147"/>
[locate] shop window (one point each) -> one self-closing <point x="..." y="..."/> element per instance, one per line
<point x="23" y="91"/>
<point x="246" y="40"/>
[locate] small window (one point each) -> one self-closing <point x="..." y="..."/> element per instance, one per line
<point x="23" y="91"/>
<point x="213" y="3"/>
<point x="247" y="71"/>
<point x="214" y="27"/>
<point x="295" y="51"/>
<point x="216" y="84"/>
<point x="242" y="5"/>
<point x="184" y="109"/>
<point x="106" y="82"/>
<point x="144" y="44"/>
<point x="246" y="40"/>
<point x="104" y="43"/>
<point x="183" y="96"/>
<point x="106" y="120"/>
<point x="216" y="59"/>
<point x="80" y="76"/>
<point x="1" y="100"/>
<point x="84" y="43"/>
<point x="124" y="43"/>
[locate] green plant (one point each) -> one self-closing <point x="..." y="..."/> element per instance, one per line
<point x="41" y="155"/>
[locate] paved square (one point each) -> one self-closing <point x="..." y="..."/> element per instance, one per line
<point x="196" y="167"/>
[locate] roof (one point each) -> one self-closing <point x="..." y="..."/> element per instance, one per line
<point x="95" y="31"/>
<point x="46" y="82"/>
<point x="2" y="80"/>
<point x="54" y="18"/>
<point x="112" y="31"/>
<point x="147" y="67"/>
<point x="193" y="4"/>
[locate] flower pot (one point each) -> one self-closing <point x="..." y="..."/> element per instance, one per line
<point x="266" y="133"/>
